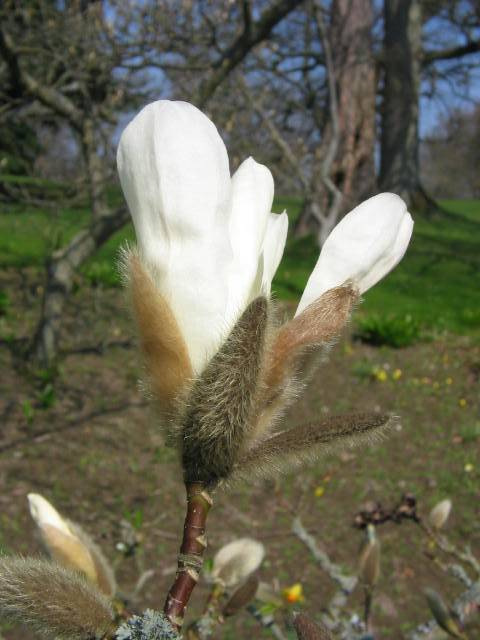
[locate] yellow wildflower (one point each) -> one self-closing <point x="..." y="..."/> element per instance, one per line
<point x="319" y="491"/>
<point x="294" y="593"/>
<point x="449" y="380"/>
<point x="468" y="468"/>
<point x="462" y="403"/>
<point x="397" y="374"/>
<point x="381" y="375"/>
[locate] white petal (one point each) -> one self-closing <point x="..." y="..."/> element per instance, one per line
<point x="390" y="260"/>
<point x="45" y="514"/>
<point x="252" y="197"/>
<point x="273" y="247"/>
<point x="234" y="562"/>
<point x="173" y="168"/>
<point x="364" y="246"/>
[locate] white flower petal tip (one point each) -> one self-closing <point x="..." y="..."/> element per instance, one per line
<point x="173" y="168"/>
<point x="364" y="246"/>
<point x="234" y="562"/>
<point x="45" y="514"/>
<point x="440" y="513"/>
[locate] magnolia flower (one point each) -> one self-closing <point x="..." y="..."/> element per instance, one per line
<point x="210" y="241"/>
<point x="364" y="246"/>
<point x="234" y="562"/>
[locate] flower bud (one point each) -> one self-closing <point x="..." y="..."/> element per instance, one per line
<point x="69" y="545"/>
<point x="442" y="614"/>
<point x="369" y="561"/>
<point x="234" y="562"/>
<point x="438" y="516"/>
<point x="58" y="537"/>
<point x="364" y="246"/>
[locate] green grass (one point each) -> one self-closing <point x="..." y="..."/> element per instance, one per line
<point x="436" y="283"/>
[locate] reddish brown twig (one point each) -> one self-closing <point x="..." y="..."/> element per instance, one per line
<point x="190" y="557"/>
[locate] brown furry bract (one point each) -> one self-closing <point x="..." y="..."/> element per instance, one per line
<point x="53" y="600"/>
<point x="320" y="323"/>
<point x="222" y="400"/>
<point x="163" y="346"/>
<point x="294" y="353"/>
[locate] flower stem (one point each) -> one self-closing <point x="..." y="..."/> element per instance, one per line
<point x="190" y="557"/>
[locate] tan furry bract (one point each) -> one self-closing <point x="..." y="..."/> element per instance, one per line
<point x="222" y="401"/>
<point x="68" y="551"/>
<point x="163" y="346"/>
<point x="104" y="574"/>
<point x="55" y="601"/>
<point x="306" y="443"/>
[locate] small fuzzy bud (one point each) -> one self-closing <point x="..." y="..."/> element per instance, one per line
<point x="237" y="560"/>
<point x="52" y="599"/>
<point x="440" y="513"/>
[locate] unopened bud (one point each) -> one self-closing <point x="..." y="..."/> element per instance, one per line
<point x="237" y="560"/>
<point x="442" y="614"/>
<point x="369" y="560"/>
<point x="69" y="545"/>
<point x="439" y="514"/>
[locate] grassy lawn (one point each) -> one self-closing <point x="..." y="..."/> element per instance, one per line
<point x="435" y="285"/>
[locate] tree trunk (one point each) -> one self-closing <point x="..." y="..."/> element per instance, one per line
<point x="400" y="169"/>
<point x="351" y="34"/>
<point x="353" y="168"/>
<point x="65" y="262"/>
<point x="60" y="276"/>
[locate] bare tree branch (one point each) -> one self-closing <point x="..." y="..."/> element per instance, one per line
<point x="450" y="52"/>
<point x="253" y="33"/>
